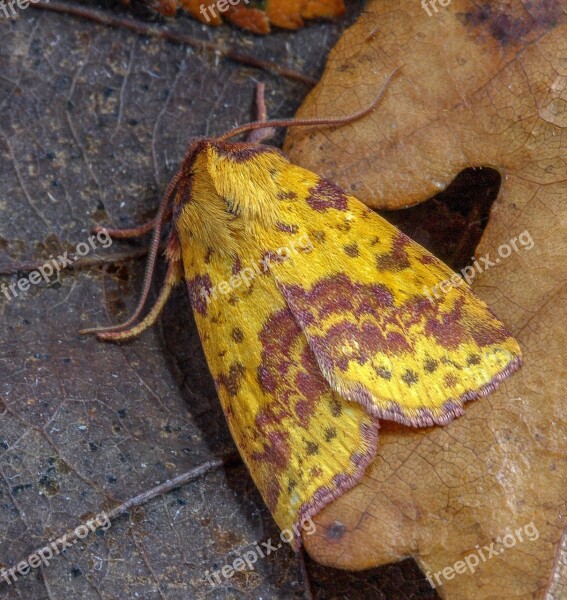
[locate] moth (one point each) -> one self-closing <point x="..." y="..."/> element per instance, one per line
<point x="312" y="316"/>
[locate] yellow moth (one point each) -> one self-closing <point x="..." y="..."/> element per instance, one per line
<point x="312" y="316"/>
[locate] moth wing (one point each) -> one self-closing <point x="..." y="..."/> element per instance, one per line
<point x="358" y="287"/>
<point x="302" y="443"/>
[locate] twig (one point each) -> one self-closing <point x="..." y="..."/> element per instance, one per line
<point x="143" y="498"/>
<point x="79" y="263"/>
<point x="141" y="28"/>
<point x="171" y="484"/>
<point x="304" y="575"/>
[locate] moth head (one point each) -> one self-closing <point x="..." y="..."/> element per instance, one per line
<point x="226" y="192"/>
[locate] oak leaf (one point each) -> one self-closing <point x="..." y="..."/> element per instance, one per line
<point x="480" y="85"/>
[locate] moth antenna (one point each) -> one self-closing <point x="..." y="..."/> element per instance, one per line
<point x="172" y="278"/>
<point x="162" y="213"/>
<point x="311" y="122"/>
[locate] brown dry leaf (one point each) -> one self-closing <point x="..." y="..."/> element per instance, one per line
<point x="479" y="85"/>
<point x="252" y="19"/>
<point x="253" y="15"/>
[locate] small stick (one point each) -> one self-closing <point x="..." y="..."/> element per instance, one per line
<point x="78" y="263"/>
<point x="171" y="484"/>
<point x="260" y="135"/>
<point x="144" y="498"/>
<point x="141" y="28"/>
<point x="304" y="574"/>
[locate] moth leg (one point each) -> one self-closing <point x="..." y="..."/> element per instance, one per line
<point x="260" y="135"/>
<point x="134" y="231"/>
